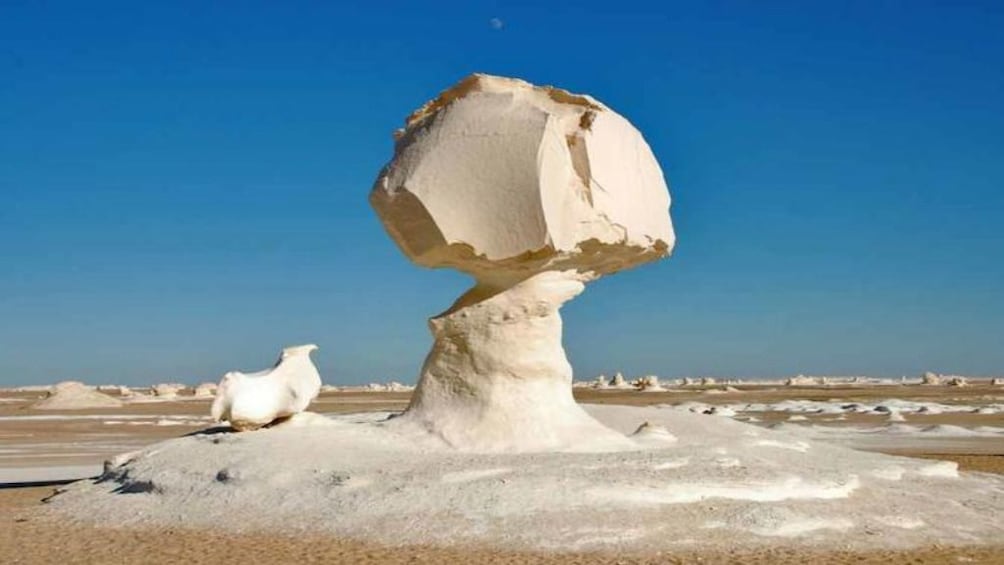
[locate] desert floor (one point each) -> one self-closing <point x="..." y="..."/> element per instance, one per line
<point x="46" y="439"/>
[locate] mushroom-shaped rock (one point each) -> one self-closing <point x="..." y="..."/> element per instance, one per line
<point x="252" y="400"/>
<point x="75" y="395"/>
<point x="533" y="191"/>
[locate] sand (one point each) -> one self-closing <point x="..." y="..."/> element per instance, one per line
<point x="26" y="539"/>
<point x="22" y="525"/>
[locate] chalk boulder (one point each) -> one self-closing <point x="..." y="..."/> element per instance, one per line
<point x="619" y="382"/>
<point x="205" y="390"/>
<point x="503" y="179"/>
<point x="74" y="395"/>
<point x="534" y="192"/>
<point x="249" y="401"/>
<point x="930" y="378"/>
<point x="168" y="391"/>
<point x="649" y="383"/>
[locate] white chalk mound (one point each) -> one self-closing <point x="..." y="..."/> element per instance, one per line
<point x="533" y="191"/>
<point x="684" y="480"/>
<point x="74" y="395"/>
<point x="250" y="401"/>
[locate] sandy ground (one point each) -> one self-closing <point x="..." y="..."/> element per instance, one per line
<point x="28" y="535"/>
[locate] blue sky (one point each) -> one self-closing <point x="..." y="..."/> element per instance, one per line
<point x="184" y="185"/>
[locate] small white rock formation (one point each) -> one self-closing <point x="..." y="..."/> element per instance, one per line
<point x="204" y="390"/>
<point x="997" y="382"/>
<point x="801" y="380"/>
<point x="707" y="381"/>
<point x="533" y="191"/>
<point x="649" y="383"/>
<point x="167" y="390"/>
<point x="601" y="382"/>
<point x="250" y="401"/>
<point x="75" y="395"/>
<point x="618" y="381"/>
<point x="395" y="386"/>
<point x="958" y="381"/>
<point x="930" y="378"/>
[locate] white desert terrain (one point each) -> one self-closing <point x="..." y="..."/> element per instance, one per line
<point x="729" y="505"/>
<point x="496" y="455"/>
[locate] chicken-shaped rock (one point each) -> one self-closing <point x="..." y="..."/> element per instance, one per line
<point x="249" y="401"/>
<point x="533" y="191"/>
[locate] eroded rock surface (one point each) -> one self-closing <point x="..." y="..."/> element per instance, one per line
<point x="533" y="191"/>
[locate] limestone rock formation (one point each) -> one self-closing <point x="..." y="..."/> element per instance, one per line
<point x="930" y="378"/>
<point x="167" y="390"/>
<point x="619" y="382"/>
<point x="204" y="390"/>
<point x="649" y="383"/>
<point x="533" y="191"/>
<point x="250" y="401"/>
<point x="74" y="395"/>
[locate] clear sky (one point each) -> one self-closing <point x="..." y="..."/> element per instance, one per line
<point x="184" y="184"/>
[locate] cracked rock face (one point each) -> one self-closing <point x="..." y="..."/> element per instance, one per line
<point x="503" y="179"/>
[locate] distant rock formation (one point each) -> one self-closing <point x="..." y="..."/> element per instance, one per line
<point x="75" y="395"/>
<point x="205" y="390"/>
<point x="167" y="390"/>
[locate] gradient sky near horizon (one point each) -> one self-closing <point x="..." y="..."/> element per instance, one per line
<point x="184" y="184"/>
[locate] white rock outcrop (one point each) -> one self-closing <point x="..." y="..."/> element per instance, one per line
<point x="167" y="390"/>
<point x="533" y="191"/>
<point x="75" y="395"/>
<point x="930" y="378"/>
<point x="649" y="383"/>
<point x="249" y="401"/>
<point x="801" y="380"/>
<point x="619" y="382"/>
<point x="204" y="390"/>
